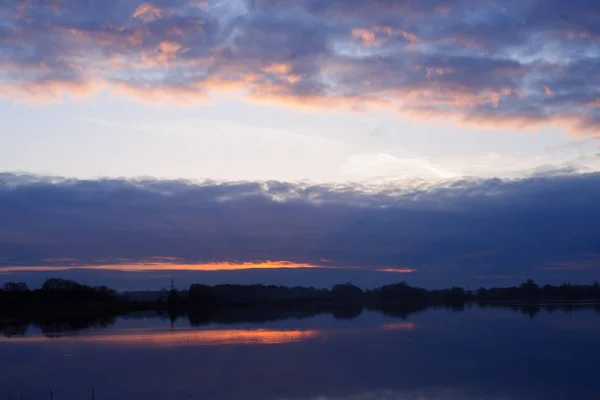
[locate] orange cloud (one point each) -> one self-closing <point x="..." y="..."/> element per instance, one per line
<point x="429" y="72"/>
<point x="426" y="104"/>
<point x="167" y="264"/>
<point x="421" y="103"/>
<point x="164" y="266"/>
<point x="202" y="4"/>
<point x="142" y="53"/>
<point x="278" y="68"/>
<point x="128" y="37"/>
<point x="411" y="37"/>
<point x="417" y="104"/>
<point x="147" y="12"/>
<point x="594" y="104"/>
<point x="367" y="37"/>
<point x="52" y="91"/>
<point x="574" y="124"/>
<point x="283" y="70"/>
<point x="458" y="99"/>
<point x="398" y="270"/>
<point x="424" y="100"/>
<point x="164" y="53"/>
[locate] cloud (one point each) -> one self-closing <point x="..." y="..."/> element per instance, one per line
<point x="523" y="227"/>
<point x="526" y="63"/>
<point x="165" y="264"/>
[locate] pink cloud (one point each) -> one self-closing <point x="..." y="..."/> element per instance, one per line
<point x="418" y="64"/>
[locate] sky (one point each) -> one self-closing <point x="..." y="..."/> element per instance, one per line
<point x="304" y="142"/>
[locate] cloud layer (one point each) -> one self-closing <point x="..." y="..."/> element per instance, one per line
<point x="494" y="62"/>
<point x="544" y="227"/>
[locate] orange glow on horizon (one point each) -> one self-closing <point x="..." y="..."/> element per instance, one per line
<point x="162" y="265"/>
<point x="220" y="266"/>
<point x="398" y="270"/>
<point x="166" y="266"/>
<point x="422" y="104"/>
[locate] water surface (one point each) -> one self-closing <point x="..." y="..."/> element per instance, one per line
<point x="482" y="353"/>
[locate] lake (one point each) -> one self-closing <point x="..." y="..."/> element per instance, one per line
<point x="470" y="353"/>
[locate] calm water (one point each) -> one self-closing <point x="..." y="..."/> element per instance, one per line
<point x="435" y="354"/>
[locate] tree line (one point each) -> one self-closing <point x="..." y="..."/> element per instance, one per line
<point x="63" y="305"/>
<point x="399" y="293"/>
<point x="59" y="297"/>
<point x="61" y="294"/>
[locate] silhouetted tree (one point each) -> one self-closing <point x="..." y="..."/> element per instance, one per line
<point x="174" y="299"/>
<point x="14" y="329"/>
<point x="59" y="285"/>
<point x="346" y="291"/>
<point x="14" y="287"/>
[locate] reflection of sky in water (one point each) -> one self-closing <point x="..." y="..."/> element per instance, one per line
<point x="436" y="354"/>
<point x="181" y="338"/>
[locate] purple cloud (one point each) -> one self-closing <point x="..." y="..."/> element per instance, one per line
<point x="448" y="234"/>
<point x="516" y="63"/>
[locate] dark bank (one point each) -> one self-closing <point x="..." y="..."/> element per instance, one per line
<point x="66" y="298"/>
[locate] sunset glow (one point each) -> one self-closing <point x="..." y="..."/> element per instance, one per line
<point x="188" y="338"/>
<point x="399" y="326"/>
<point x="160" y="266"/>
<point x="398" y="270"/>
<point x="167" y="266"/>
<point x="248" y="142"/>
<point x="235" y="199"/>
<point x="213" y="337"/>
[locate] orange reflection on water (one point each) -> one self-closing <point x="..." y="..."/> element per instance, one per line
<point x="206" y="338"/>
<point x="185" y="338"/>
<point x="399" y="326"/>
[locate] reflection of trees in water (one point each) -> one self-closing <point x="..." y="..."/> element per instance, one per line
<point x="263" y="314"/>
<point x="253" y="314"/>
<point x="347" y="312"/>
<point x="532" y="310"/>
<point x="260" y="303"/>
<point x="529" y="310"/>
<point x="11" y="329"/>
<point x="401" y="310"/>
<point x="55" y="328"/>
<point x="59" y="328"/>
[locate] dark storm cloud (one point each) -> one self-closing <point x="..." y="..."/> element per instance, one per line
<point x="546" y="227"/>
<point x="513" y="62"/>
